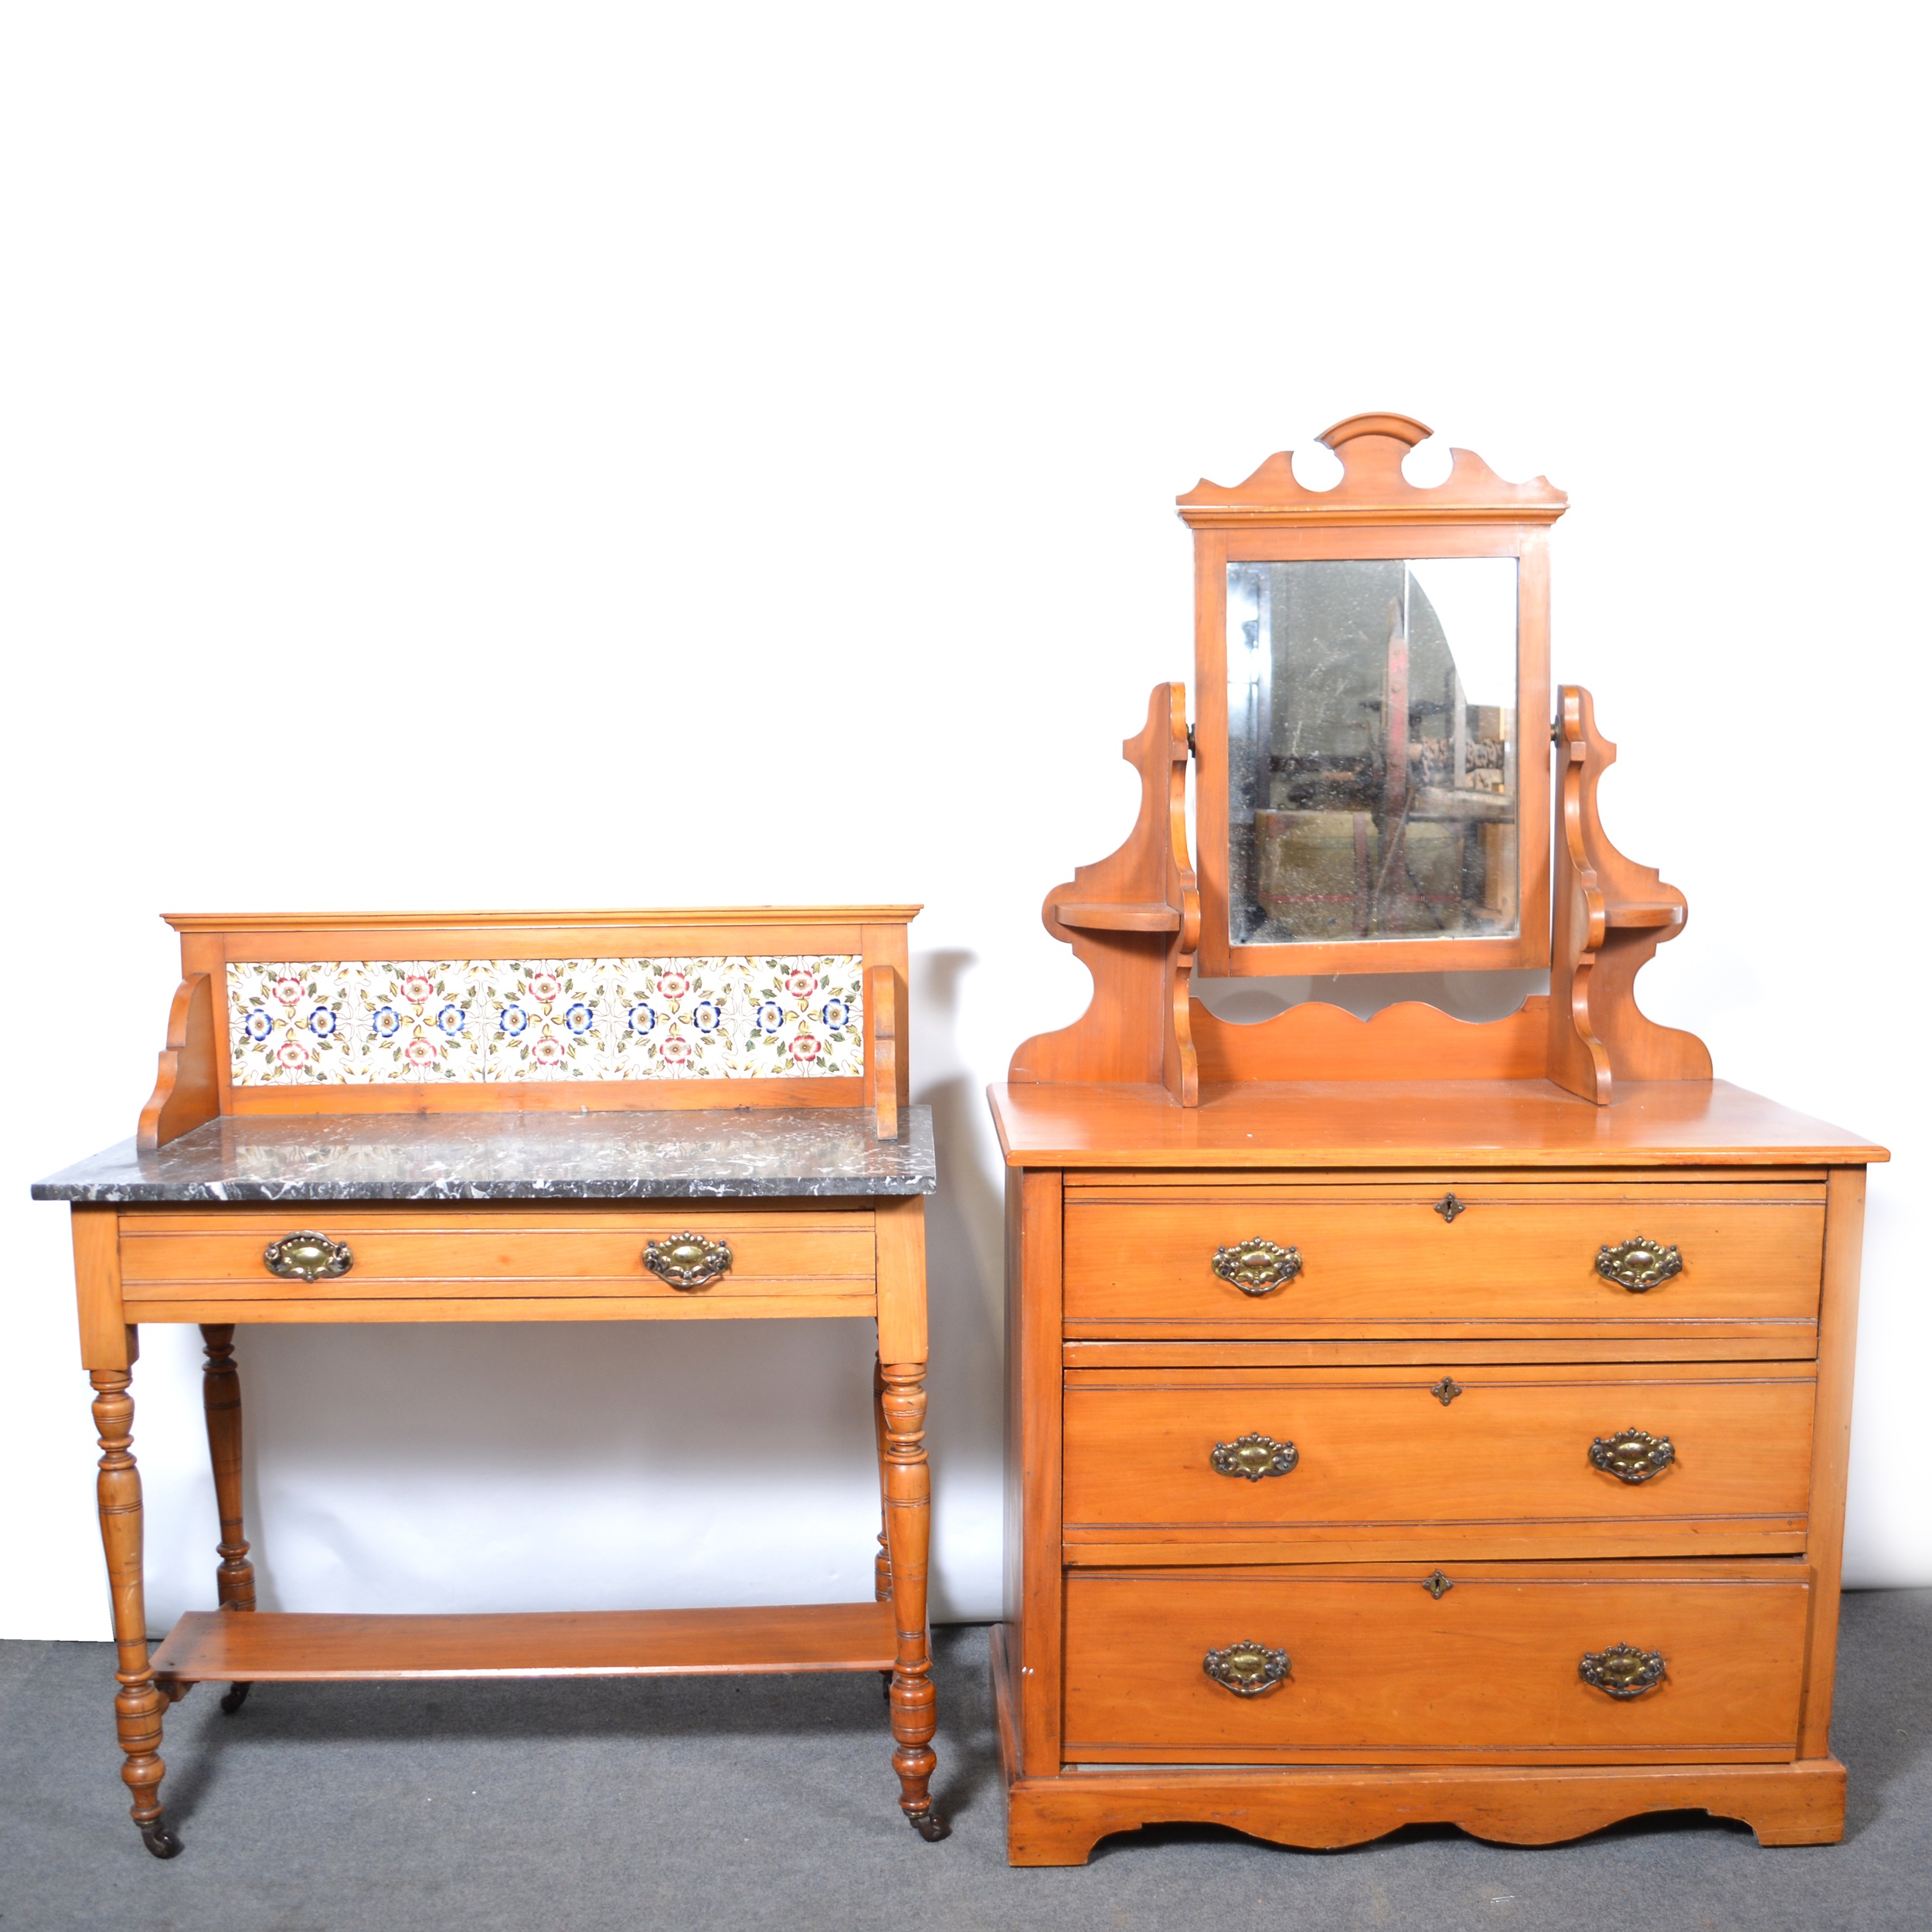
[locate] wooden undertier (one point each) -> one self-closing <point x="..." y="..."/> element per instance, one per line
<point x="270" y="1647"/>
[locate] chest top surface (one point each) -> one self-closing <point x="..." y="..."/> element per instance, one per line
<point x="1406" y="1123"/>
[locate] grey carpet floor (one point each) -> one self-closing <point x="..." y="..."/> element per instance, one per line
<point x="593" y="1806"/>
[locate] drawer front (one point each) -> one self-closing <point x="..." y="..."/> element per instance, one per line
<point x="1631" y="1460"/>
<point x="1378" y="1668"/>
<point x="428" y="1253"/>
<point x="1498" y="1262"/>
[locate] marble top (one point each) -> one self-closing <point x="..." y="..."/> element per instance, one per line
<point x="515" y="1157"/>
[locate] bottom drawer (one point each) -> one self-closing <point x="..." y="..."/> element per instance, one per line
<point x="1345" y="1664"/>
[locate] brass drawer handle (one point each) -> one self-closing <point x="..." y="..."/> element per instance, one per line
<point x="1254" y="1457"/>
<point x="1637" y="1264"/>
<point x="1247" y="1669"/>
<point x="1256" y="1267"/>
<point x="688" y="1261"/>
<point x="1631" y="1456"/>
<point x="308" y="1256"/>
<point x="1621" y="1671"/>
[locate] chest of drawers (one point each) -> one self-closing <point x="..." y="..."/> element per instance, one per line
<point x="1438" y="1415"/>
<point x="1347" y="1496"/>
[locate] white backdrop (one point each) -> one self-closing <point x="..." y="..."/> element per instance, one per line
<point x="485" y="456"/>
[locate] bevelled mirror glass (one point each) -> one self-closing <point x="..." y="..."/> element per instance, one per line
<point x="1372" y="750"/>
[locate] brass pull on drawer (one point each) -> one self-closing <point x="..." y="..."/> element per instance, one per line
<point x="1247" y="1669"/>
<point x="308" y="1256"/>
<point x="1256" y="1267"/>
<point x="1631" y="1456"/>
<point x="688" y="1261"/>
<point x="1637" y="1264"/>
<point x="1253" y="1457"/>
<point x="1622" y="1671"/>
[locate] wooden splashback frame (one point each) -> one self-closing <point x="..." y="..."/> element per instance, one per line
<point x="194" y="1084"/>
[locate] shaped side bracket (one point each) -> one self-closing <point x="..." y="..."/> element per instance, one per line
<point x="1133" y="920"/>
<point x="1610" y="917"/>
<point x="186" y="1089"/>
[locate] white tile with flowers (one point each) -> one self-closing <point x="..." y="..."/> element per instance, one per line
<point x="385" y="1021"/>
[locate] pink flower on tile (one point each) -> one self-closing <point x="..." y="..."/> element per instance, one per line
<point x="544" y="987"/>
<point x="418" y="988"/>
<point x="288" y="991"/>
<point x="675" y="1051"/>
<point x="802" y="984"/>
<point x="673" y="985"/>
<point x="292" y="1054"/>
<point x="420" y="1052"/>
<point x="547" y="1052"/>
<point x="806" y="1046"/>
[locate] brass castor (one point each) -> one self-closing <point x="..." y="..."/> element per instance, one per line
<point x="236" y="1696"/>
<point x="158" y="1839"/>
<point x="929" y="1825"/>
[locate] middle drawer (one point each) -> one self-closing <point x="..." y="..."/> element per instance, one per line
<point x="1192" y="1465"/>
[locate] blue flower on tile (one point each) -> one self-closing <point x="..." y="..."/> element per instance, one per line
<point x="643" y="1019"/>
<point x="577" y="1017"/>
<point x="321" y="1022"/>
<point x="513" y="1020"/>
<point x="835" y="1013"/>
<point x="258" y="1025"/>
<point x="770" y="1017"/>
<point x="450" y="1021"/>
<point x="706" y="1016"/>
<point x="385" y="1022"/>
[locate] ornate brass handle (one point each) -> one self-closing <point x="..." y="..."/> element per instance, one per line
<point x="688" y="1261"/>
<point x="1631" y="1456"/>
<point x="1622" y="1671"/>
<point x="1254" y="1457"/>
<point x="1256" y="1267"/>
<point x="1637" y="1264"/>
<point x="1247" y="1669"/>
<point x="308" y="1256"/>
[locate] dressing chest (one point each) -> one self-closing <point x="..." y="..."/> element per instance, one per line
<point x="636" y="1117"/>
<point x="1410" y="1418"/>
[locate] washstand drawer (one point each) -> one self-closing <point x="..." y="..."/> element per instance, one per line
<point x="1609" y="1257"/>
<point x="1551" y="1459"/>
<point x="584" y="1251"/>
<point x="1478" y="1664"/>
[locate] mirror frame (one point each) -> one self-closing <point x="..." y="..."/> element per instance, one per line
<point x="1374" y="513"/>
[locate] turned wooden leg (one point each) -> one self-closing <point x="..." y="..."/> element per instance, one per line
<point x="908" y="1481"/>
<point x="221" y="1401"/>
<point x="882" y="1564"/>
<point x="137" y="1709"/>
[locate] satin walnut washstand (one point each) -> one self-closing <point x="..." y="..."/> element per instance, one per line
<point x="1421" y="1417"/>
<point x="490" y="1117"/>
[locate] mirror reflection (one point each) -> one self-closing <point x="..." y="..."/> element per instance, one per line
<point x="1372" y="750"/>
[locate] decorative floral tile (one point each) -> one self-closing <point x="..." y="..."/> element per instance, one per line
<point x="391" y="1022"/>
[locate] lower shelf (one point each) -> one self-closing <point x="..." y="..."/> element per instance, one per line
<point x="271" y="1646"/>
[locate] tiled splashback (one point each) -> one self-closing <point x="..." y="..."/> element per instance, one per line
<point x="367" y="1022"/>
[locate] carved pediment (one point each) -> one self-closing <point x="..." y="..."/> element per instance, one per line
<point x="1373" y="489"/>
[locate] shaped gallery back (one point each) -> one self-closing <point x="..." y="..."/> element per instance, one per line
<point x="1369" y="800"/>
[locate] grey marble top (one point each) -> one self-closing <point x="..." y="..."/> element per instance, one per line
<point x="514" y="1157"/>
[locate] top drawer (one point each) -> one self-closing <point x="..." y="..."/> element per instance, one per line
<point x="509" y="1254"/>
<point x="1444" y="1257"/>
